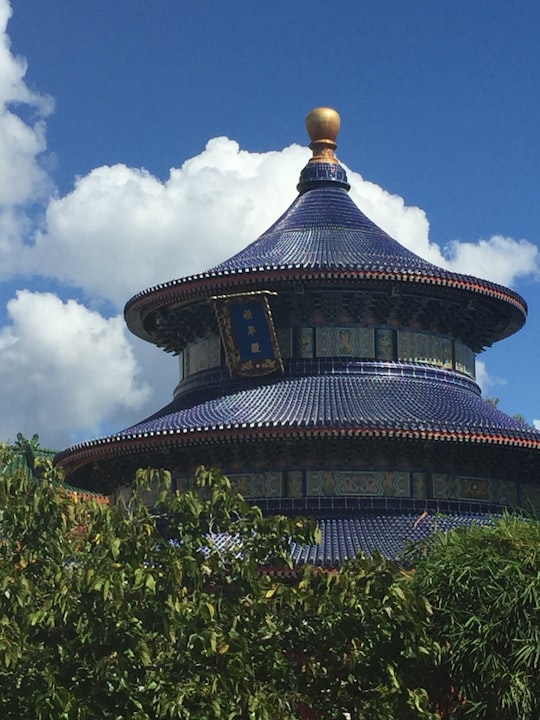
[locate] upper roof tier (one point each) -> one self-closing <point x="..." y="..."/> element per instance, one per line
<point x="322" y="236"/>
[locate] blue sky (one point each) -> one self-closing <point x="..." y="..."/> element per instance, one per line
<point x="142" y="141"/>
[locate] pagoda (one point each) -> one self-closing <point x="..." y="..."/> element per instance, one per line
<point x="329" y="371"/>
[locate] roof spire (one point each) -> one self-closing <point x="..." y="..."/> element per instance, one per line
<point x="323" y="168"/>
<point x="323" y="125"/>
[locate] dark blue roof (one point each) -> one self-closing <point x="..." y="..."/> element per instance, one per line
<point x="324" y="229"/>
<point x="366" y="398"/>
<point x="390" y="534"/>
<point x="322" y="232"/>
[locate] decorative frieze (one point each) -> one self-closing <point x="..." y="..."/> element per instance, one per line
<point x="345" y="341"/>
<point x="352" y="483"/>
<point x="418" y="485"/>
<point x="258" y="484"/>
<point x="459" y="487"/>
<point x="348" y="341"/>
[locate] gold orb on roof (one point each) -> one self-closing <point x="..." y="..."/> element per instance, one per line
<point x="323" y="125"/>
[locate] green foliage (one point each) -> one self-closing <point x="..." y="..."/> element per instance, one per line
<point x="102" y="617"/>
<point x="359" y="637"/>
<point x="484" y="585"/>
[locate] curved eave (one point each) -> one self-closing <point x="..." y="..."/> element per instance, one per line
<point x="366" y="400"/>
<point x="139" y="443"/>
<point x="201" y="287"/>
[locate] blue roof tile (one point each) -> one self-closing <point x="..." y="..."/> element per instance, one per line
<point x="367" y="398"/>
<point x="323" y="228"/>
<point x="389" y="534"/>
<point x="343" y="538"/>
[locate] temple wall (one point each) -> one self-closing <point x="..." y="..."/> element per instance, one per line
<point x="381" y="484"/>
<point x="346" y="341"/>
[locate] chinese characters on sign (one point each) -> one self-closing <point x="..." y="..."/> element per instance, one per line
<point x="248" y="334"/>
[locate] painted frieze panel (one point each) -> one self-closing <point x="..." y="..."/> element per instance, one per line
<point x="447" y="358"/>
<point x="345" y="341"/>
<point x="384" y="342"/>
<point x="306" y="342"/>
<point x="424" y="348"/>
<point x="345" y="483"/>
<point x="456" y="487"/>
<point x="445" y="486"/>
<point x="257" y="485"/>
<point x="471" y="488"/>
<point x="295" y="483"/>
<point x="419" y="481"/>
<point x="320" y="483"/>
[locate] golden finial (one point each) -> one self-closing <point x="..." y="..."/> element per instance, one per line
<point x="323" y="125"/>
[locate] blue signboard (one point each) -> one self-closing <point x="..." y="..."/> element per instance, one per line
<point x="248" y="334"/>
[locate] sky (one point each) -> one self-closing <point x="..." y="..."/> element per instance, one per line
<point x="145" y="141"/>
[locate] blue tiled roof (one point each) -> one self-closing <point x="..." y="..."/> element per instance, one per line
<point x="323" y="233"/>
<point x="390" y="535"/>
<point x="371" y="399"/>
<point x="387" y="533"/>
<point x="324" y="229"/>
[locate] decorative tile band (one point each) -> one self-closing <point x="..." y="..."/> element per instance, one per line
<point x="352" y="483"/>
<point x="348" y="341"/>
<point x="458" y="487"/>
<point x="380" y="484"/>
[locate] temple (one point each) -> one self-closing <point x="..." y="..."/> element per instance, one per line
<point x="330" y="371"/>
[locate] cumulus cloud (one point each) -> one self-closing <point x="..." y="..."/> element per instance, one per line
<point x="536" y="424"/>
<point x="487" y="382"/>
<point x="121" y="229"/>
<point x="500" y="259"/>
<point x="64" y="366"/>
<point x="21" y="177"/>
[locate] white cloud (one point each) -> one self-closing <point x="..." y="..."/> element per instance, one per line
<point x="21" y="177"/>
<point x="536" y="424"/>
<point x="64" y="368"/>
<point x="500" y="259"/>
<point x="121" y="229"/>
<point x="487" y="382"/>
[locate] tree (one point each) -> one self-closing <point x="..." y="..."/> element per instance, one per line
<point x="188" y="610"/>
<point x="484" y="585"/>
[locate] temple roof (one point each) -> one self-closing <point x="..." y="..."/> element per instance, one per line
<point x="388" y="533"/>
<point x="324" y="229"/>
<point x="364" y="399"/>
<point x="323" y="235"/>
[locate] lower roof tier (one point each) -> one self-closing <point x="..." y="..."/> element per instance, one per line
<point x="390" y="534"/>
<point x="352" y="400"/>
